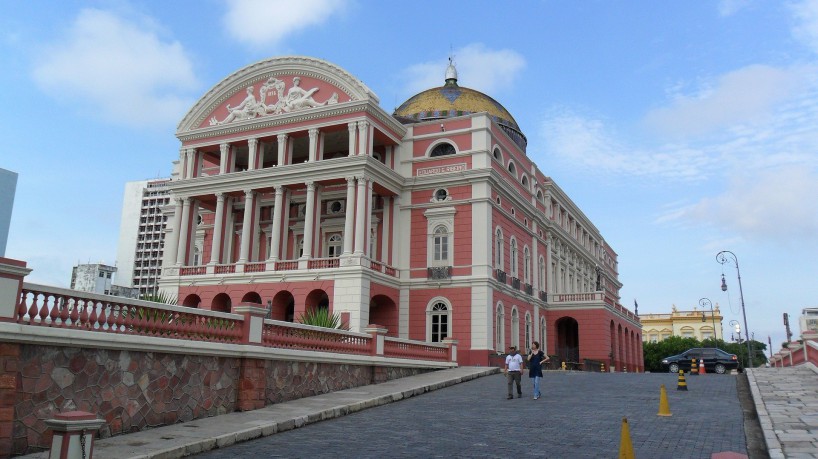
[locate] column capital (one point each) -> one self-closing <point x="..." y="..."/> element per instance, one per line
<point x="224" y="147"/>
<point x="220" y="196"/>
<point x="311" y="186"/>
<point x="350" y="180"/>
<point x="252" y="142"/>
<point x="281" y="138"/>
<point x="361" y="178"/>
<point x="278" y="188"/>
<point x="363" y="125"/>
<point x="352" y="126"/>
<point x="249" y="193"/>
<point x="313" y="133"/>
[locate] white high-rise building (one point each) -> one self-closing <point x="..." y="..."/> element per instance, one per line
<point x="8" y="184"/>
<point x="141" y="235"/>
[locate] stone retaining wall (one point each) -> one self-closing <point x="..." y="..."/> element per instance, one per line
<point x="134" y="390"/>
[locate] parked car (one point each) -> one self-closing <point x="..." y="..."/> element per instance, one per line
<point x="715" y="360"/>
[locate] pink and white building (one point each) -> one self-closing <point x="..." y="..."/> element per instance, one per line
<point x="296" y="190"/>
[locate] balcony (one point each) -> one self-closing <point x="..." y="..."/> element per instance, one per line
<point x="529" y="289"/>
<point x="543" y="296"/>
<point x="515" y="283"/>
<point x="439" y="272"/>
<point x="500" y="275"/>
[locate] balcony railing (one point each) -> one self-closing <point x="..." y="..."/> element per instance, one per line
<point x="224" y="269"/>
<point x="286" y="265"/>
<point x="323" y="263"/>
<point x="255" y="267"/>
<point x="439" y="272"/>
<point x="543" y="296"/>
<point x="515" y="283"/>
<point x="529" y="289"/>
<point x="192" y="270"/>
<point x="500" y="275"/>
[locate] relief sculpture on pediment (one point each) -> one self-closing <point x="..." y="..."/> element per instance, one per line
<point x="296" y="98"/>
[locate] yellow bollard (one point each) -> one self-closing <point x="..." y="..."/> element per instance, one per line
<point x="602" y="368"/>
<point x="682" y="385"/>
<point x="625" y="445"/>
<point x="664" y="407"/>
<point x="563" y="366"/>
<point x="694" y="367"/>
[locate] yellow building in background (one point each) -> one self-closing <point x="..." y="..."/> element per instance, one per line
<point x="698" y="323"/>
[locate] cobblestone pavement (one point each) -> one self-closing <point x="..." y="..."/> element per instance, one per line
<point x="787" y="403"/>
<point x="579" y="416"/>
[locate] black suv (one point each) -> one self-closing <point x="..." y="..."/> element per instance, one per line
<point x="715" y="360"/>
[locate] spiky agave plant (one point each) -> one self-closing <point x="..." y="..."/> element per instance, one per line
<point x="321" y="317"/>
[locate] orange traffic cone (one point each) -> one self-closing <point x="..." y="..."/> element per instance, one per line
<point x="625" y="445"/>
<point x="701" y="367"/>
<point x="664" y="406"/>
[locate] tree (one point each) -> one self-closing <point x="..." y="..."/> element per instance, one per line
<point x="654" y="352"/>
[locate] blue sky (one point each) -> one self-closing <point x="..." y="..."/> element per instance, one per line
<point x="680" y="128"/>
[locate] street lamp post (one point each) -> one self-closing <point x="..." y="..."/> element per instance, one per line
<point x="722" y="257"/>
<point x="706" y="301"/>
<point x="737" y="328"/>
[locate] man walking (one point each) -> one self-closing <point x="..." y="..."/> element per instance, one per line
<point x="514" y="371"/>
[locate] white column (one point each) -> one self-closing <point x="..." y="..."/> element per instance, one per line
<point x="275" y="242"/>
<point x="360" y="219"/>
<point x="348" y="217"/>
<point x="190" y="158"/>
<point x="218" y="231"/>
<point x="184" y="229"/>
<point x="385" y="228"/>
<point x="224" y="149"/>
<point x="172" y="243"/>
<point x="368" y="224"/>
<point x="246" y="229"/>
<point x="363" y="141"/>
<point x="252" y="154"/>
<point x="535" y="261"/>
<point x="309" y="221"/>
<point x="352" y="127"/>
<point x="313" y="133"/>
<point x="183" y="162"/>
<point x="282" y="149"/>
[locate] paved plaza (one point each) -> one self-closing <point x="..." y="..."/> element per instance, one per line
<point x="580" y="416"/>
<point x="463" y="412"/>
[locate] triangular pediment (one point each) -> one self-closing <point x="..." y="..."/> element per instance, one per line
<point x="274" y="87"/>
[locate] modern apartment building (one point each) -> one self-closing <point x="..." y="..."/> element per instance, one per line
<point x="141" y="235"/>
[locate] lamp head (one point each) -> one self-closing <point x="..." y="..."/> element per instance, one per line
<point x="723" y="284"/>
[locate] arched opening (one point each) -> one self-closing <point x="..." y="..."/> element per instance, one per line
<point x="384" y="311"/>
<point x="283" y="307"/>
<point x="612" y="353"/>
<point x="442" y="149"/>
<point x="251" y="297"/>
<point x="317" y="299"/>
<point x="568" y="339"/>
<point x="221" y="303"/>
<point x="192" y="301"/>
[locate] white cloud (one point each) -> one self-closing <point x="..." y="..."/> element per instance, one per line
<point x="267" y="22"/>
<point x="119" y="70"/>
<point x="590" y="144"/>
<point x="486" y="70"/>
<point x="776" y="205"/>
<point x="731" y="7"/>
<point x="806" y="29"/>
<point x="745" y="95"/>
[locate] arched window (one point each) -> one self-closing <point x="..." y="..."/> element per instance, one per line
<point x="539" y="196"/>
<point x="334" y="246"/>
<point x="498" y="250"/>
<point x="527" y="332"/>
<point x="438" y="322"/>
<point x="513" y="250"/>
<point x="500" y="329"/>
<point x="515" y="328"/>
<point x="442" y="149"/>
<point x="526" y="265"/>
<point x="497" y="155"/>
<point x="524" y="181"/>
<point x="441" y="243"/>
<point x="543" y="336"/>
<point x="541" y="274"/>
<point x="512" y="168"/>
<point x="299" y="247"/>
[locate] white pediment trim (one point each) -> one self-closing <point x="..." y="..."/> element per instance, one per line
<point x="260" y="71"/>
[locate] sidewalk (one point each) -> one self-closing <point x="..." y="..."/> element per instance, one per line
<point x="179" y="440"/>
<point x="787" y="403"/>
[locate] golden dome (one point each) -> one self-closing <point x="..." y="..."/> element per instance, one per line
<point x="451" y="100"/>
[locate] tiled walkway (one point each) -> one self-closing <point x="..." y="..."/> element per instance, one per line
<point x="787" y="403"/>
